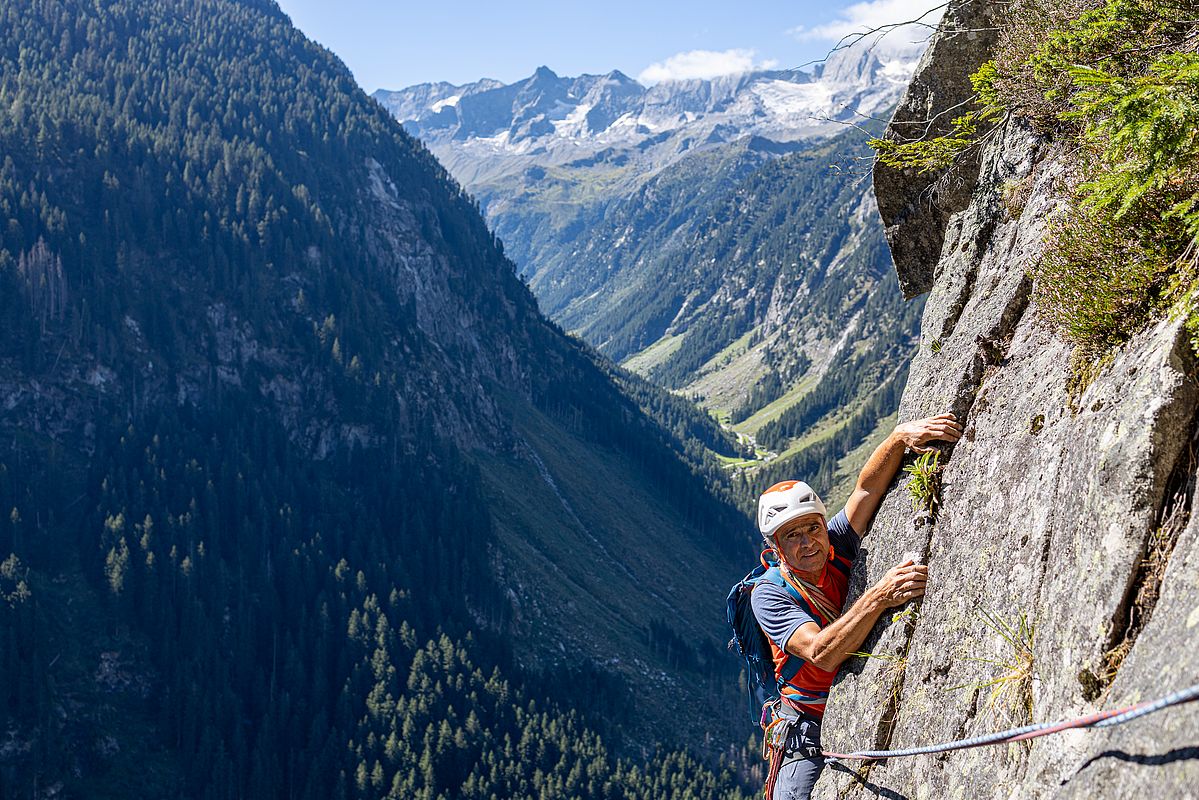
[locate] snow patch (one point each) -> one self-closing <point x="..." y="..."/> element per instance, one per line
<point x="899" y="70"/>
<point x="448" y="102"/>
<point x="574" y="124"/>
<point x="786" y="98"/>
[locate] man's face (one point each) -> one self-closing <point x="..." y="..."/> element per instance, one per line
<point x="803" y="544"/>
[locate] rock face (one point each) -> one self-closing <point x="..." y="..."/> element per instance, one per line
<point x="917" y="207"/>
<point x="1057" y="508"/>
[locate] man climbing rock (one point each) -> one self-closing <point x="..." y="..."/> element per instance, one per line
<point x="810" y="634"/>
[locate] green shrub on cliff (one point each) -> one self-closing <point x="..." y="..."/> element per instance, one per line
<point x="1122" y="83"/>
<point x="1144" y="134"/>
<point x="967" y="132"/>
<point x="1117" y="83"/>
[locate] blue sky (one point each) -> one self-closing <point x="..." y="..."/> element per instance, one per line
<point x="391" y="45"/>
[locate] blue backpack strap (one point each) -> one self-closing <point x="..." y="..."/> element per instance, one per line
<point x="751" y="644"/>
<point x="774" y="576"/>
<point x="793" y="664"/>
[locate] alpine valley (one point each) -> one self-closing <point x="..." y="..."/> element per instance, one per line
<point x="303" y="498"/>
<point x="718" y="237"/>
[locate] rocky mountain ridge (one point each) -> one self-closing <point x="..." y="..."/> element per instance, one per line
<point x="484" y="130"/>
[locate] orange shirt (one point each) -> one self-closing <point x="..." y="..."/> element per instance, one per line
<point x="803" y="685"/>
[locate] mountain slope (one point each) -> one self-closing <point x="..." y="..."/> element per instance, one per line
<point x="548" y="155"/>
<point x="278" y="406"/>
<point x="763" y="289"/>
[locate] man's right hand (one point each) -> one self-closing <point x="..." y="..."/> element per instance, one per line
<point x="901" y="583"/>
<point x="825" y="648"/>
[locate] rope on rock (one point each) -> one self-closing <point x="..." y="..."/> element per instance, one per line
<point x="1101" y="719"/>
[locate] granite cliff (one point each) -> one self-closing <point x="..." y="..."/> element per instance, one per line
<point x="1063" y="554"/>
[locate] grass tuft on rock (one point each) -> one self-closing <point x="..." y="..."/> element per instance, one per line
<point x="924" y="488"/>
<point x="1011" y="685"/>
<point x="1100" y="282"/>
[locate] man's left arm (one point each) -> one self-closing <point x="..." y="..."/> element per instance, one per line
<point x="884" y="462"/>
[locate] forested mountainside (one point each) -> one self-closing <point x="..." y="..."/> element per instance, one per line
<point x="302" y="496"/>
<point x="716" y="237"/>
<point x="1039" y="181"/>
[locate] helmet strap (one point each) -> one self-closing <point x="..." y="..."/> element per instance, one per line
<point x="778" y="554"/>
<point x="766" y="557"/>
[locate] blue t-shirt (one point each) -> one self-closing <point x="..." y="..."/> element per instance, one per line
<point x="776" y="610"/>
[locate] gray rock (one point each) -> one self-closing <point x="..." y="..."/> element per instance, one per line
<point x="1049" y="503"/>
<point x="917" y="207"/>
<point x="1155" y="756"/>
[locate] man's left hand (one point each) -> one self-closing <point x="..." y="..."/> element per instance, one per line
<point x="917" y="434"/>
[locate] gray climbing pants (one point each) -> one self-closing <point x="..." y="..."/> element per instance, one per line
<point x="802" y="762"/>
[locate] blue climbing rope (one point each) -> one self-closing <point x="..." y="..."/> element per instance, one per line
<point x="1101" y="719"/>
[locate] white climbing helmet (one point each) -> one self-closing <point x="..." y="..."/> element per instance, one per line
<point x="784" y="502"/>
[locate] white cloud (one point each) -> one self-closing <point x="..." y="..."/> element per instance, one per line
<point x="704" y="64"/>
<point x="870" y="15"/>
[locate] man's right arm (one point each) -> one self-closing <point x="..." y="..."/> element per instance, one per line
<point x="883" y="464"/>
<point x="828" y="647"/>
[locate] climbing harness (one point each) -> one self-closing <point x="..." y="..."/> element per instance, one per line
<point x="777" y="733"/>
<point x="1101" y="719"/>
<point x="774" y="743"/>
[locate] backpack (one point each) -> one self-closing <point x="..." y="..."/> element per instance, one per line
<point x="748" y="639"/>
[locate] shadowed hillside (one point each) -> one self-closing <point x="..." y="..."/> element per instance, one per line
<point x="303" y="496"/>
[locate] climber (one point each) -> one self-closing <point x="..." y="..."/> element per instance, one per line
<point x="809" y="633"/>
